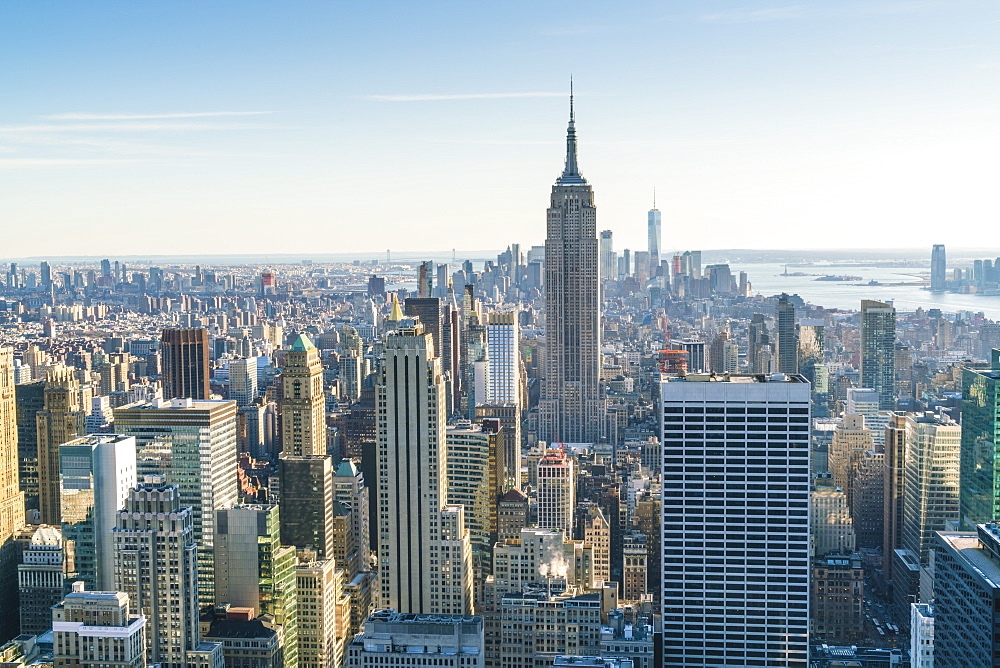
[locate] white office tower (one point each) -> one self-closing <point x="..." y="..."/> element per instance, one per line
<point x="735" y="520"/>
<point x="556" y="494"/>
<point x="394" y="639"/>
<point x="243" y="381"/>
<point x="502" y="335"/>
<point x="921" y="635"/>
<point x="324" y="612"/>
<point x="96" y="473"/>
<point x="425" y="557"/>
<point x="655" y="227"/>
<point x="156" y="562"/>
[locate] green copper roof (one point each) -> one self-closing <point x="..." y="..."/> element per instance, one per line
<point x="346" y="469"/>
<point x="302" y="343"/>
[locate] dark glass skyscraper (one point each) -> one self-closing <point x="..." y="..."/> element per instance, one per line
<point x="788" y="338"/>
<point x="185" y="363"/>
<point x="878" y="351"/>
<point x="571" y="408"/>
<point x="939" y="267"/>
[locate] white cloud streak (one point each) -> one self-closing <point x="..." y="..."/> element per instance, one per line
<point x="123" y="126"/>
<point x="457" y="96"/>
<point x="19" y="163"/>
<point x="82" y="116"/>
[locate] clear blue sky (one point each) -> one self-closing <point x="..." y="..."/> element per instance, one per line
<point x="243" y="127"/>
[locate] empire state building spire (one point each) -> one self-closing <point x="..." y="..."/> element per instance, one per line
<point x="571" y="409"/>
<point x="571" y="173"/>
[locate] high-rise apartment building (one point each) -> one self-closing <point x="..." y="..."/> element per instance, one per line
<point x="96" y="474"/>
<point x="980" y="468"/>
<point x="62" y="420"/>
<point x="303" y="403"/>
<point x="788" y="337"/>
<point x="744" y="442"/>
<point x="254" y="570"/>
<point x="425" y="559"/>
<point x="97" y="628"/>
<point x="191" y="444"/>
<point x="502" y="334"/>
<point x="185" y="358"/>
<point x="571" y="408"/>
<point x="11" y="496"/>
<point x="878" y="351"/>
<point x="156" y="566"/>
<point x="556" y="492"/>
<point x="307" y="503"/>
<point x="939" y="267"/>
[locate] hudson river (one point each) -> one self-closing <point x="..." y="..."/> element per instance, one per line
<point x="766" y="279"/>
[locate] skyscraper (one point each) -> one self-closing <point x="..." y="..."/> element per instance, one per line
<point x="191" y="444"/>
<point x="62" y="420"/>
<point x="556" y="492"/>
<point x="980" y="483"/>
<point x="502" y="334"/>
<point x="40" y="579"/>
<point x="655" y="229"/>
<point x="185" y="363"/>
<point x="254" y="570"/>
<point x="571" y="408"/>
<point x="788" y="338"/>
<point x="761" y="616"/>
<point x="303" y="403"/>
<point x="939" y="267"/>
<point x="156" y="566"/>
<point x="930" y="486"/>
<point x="11" y="497"/>
<point x="424" y="551"/>
<point x="609" y="262"/>
<point x="96" y="474"/>
<point x="878" y="351"/>
<point x="307" y="502"/>
<point x="243" y="381"/>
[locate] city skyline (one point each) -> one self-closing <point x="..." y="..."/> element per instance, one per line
<point x="748" y="119"/>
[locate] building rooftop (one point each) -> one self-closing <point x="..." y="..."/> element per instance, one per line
<point x="302" y="344"/>
<point x="968" y="547"/>
<point x="734" y="378"/>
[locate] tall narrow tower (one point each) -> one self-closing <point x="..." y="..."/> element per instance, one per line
<point x="11" y="497"/>
<point x="303" y="406"/>
<point x="878" y="351"/>
<point x="655" y="231"/>
<point x="425" y="557"/>
<point x="788" y="338"/>
<point x="571" y="409"/>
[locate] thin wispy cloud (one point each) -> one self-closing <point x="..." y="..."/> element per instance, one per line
<point x="83" y="116"/>
<point x="19" y="163"/>
<point x="457" y="96"/>
<point x="754" y="15"/>
<point x="124" y="126"/>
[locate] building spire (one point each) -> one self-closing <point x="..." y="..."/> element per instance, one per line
<point x="571" y="173"/>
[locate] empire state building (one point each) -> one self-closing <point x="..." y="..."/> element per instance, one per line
<point x="571" y="409"/>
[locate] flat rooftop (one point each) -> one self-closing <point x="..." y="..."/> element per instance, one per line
<point x="734" y="378"/>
